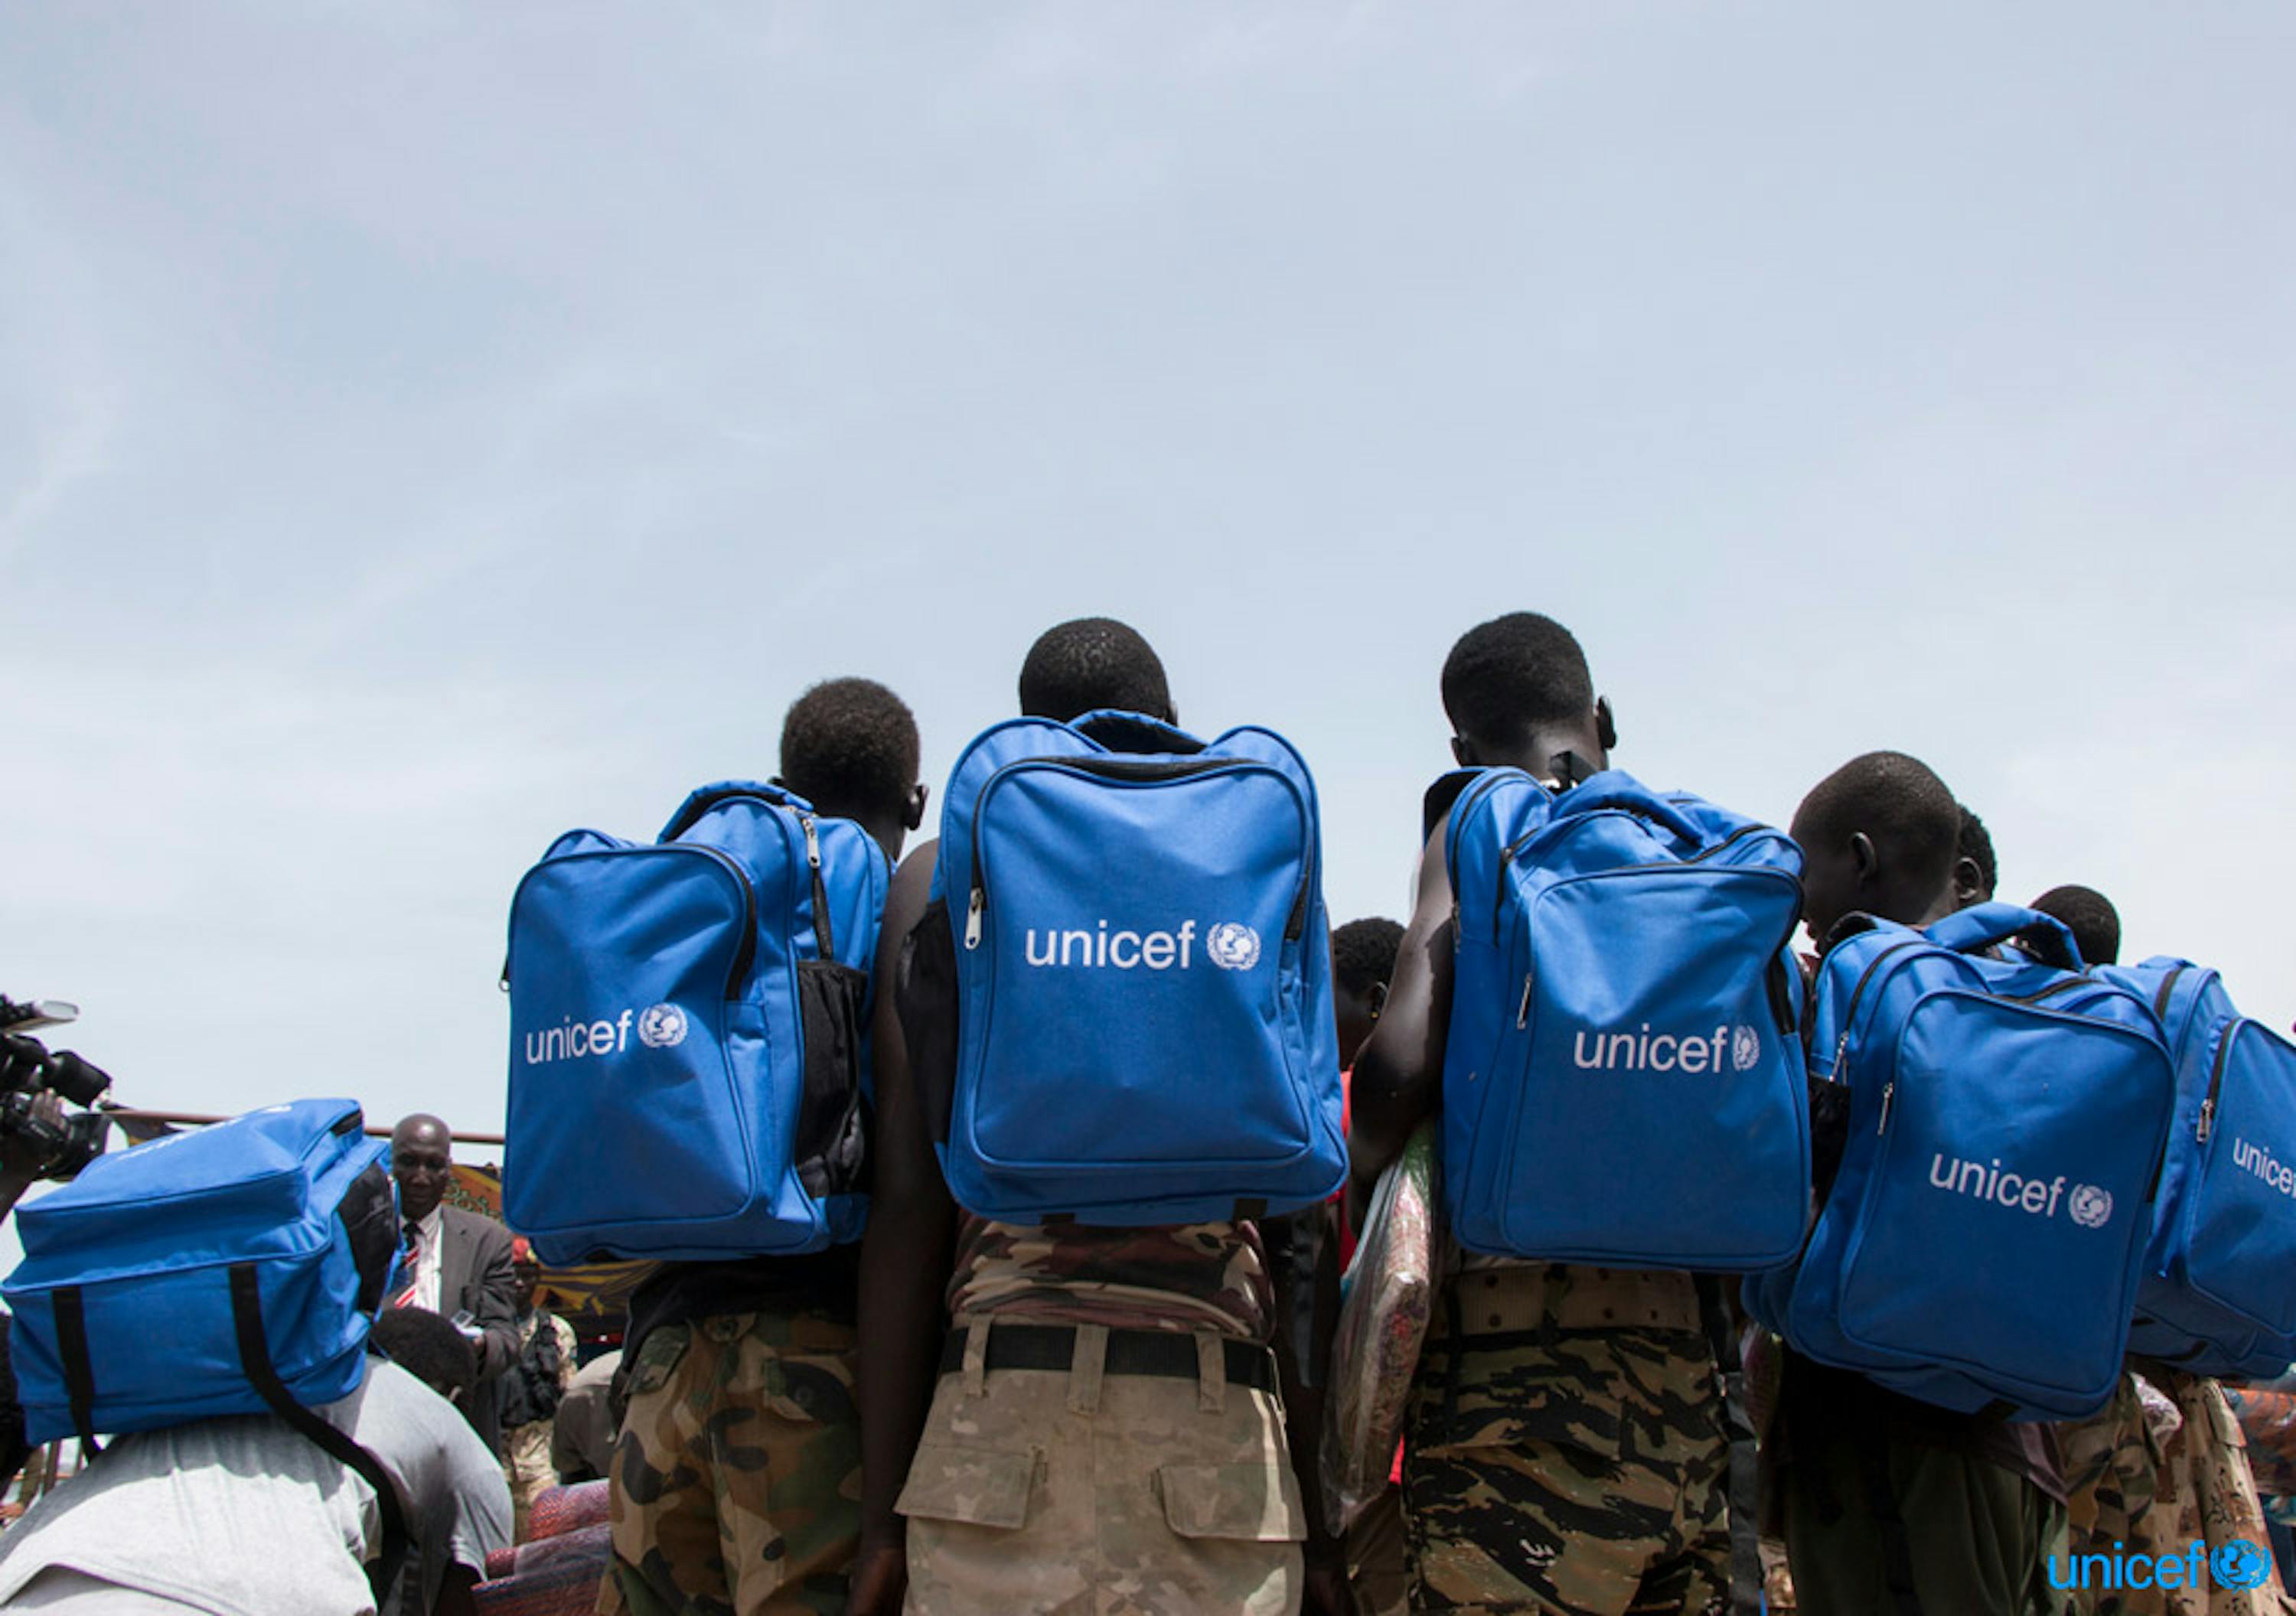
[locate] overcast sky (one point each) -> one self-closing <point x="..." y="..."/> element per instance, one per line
<point x="426" y="427"/>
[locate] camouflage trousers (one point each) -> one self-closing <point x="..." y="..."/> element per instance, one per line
<point x="737" y="1477"/>
<point x="2153" y="1489"/>
<point x="526" y="1466"/>
<point x="1082" y="1492"/>
<point x="1565" y="1450"/>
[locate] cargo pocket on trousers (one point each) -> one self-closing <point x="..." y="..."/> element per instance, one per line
<point x="969" y="1486"/>
<point x="1238" y="1503"/>
<point x="829" y="1149"/>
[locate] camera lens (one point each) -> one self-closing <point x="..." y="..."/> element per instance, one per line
<point x="76" y="1079"/>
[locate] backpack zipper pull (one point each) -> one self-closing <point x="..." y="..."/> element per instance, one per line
<point x="1841" y="1054"/>
<point x="973" y="909"/>
<point x="812" y="841"/>
<point x="1522" y="1010"/>
<point x="2208" y="1122"/>
<point x="1889" y="1093"/>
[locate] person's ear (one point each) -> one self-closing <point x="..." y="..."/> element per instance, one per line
<point x="1968" y="882"/>
<point x="1376" y="999"/>
<point x="1868" y="860"/>
<point x="1606" y="727"/>
<point x="1462" y="753"/>
<point x="912" y="811"/>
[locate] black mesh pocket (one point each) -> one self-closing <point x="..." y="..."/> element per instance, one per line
<point x="370" y="1218"/>
<point x="925" y="998"/>
<point x="831" y="1145"/>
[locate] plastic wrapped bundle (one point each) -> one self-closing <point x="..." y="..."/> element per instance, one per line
<point x="1390" y="1290"/>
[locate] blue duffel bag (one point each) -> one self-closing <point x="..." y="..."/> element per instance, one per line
<point x="140" y="1276"/>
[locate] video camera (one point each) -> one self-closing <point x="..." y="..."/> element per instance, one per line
<point x="61" y="1144"/>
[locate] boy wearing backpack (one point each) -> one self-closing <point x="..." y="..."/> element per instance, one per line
<point x="736" y="1478"/>
<point x="1566" y="1449"/>
<point x="1103" y="1421"/>
<point x="1891" y="1504"/>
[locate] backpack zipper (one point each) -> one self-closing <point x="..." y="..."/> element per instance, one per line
<point x="1850" y="1014"/>
<point x="2167" y="986"/>
<point x="1507" y="857"/>
<point x="821" y="928"/>
<point x="1522" y="1010"/>
<point x="2216" y="1082"/>
<point x="1126" y="769"/>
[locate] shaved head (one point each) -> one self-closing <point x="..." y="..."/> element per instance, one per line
<point x="422" y="1160"/>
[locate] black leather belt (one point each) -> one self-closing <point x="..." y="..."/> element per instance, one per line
<point x="1164" y="1353"/>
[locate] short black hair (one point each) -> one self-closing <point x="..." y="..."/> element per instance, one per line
<point x="1363" y="954"/>
<point x="1089" y="662"/>
<point x="429" y="1348"/>
<point x="1514" y="675"/>
<point x="1975" y="844"/>
<point x="849" y="747"/>
<point x="2089" y="915"/>
<point x="1898" y="800"/>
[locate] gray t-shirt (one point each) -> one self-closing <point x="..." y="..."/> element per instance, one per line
<point x="243" y="1516"/>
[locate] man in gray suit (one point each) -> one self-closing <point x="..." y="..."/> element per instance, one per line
<point x="458" y="1263"/>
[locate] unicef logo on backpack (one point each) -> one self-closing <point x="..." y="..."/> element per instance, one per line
<point x="2089" y="1207"/>
<point x="662" y="1026"/>
<point x="1745" y="1048"/>
<point x="1233" y="946"/>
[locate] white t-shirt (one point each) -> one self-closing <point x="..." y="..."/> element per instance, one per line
<point x="245" y="1516"/>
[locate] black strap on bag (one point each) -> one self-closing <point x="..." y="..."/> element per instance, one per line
<point x="255" y="1358"/>
<point x="79" y="1373"/>
<point x="1738" y="1428"/>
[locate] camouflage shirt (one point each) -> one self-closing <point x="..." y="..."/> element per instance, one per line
<point x="1167" y="1277"/>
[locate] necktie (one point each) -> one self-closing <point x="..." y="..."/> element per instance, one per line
<point x="409" y="1263"/>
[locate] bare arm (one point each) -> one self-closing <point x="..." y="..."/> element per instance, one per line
<point x="905" y="1260"/>
<point x="1304" y="1265"/>
<point x="1399" y="1073"/>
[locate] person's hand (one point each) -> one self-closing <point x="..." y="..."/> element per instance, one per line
<point x="20" y="1156"/>
<point x="881" y="1577"/>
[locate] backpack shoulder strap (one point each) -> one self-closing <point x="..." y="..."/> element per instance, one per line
<point x="255" y="1357"/>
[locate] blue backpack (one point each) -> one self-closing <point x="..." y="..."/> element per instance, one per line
<point x="1622" y="1080"/>
<point x="1143" y="976"/>
<point x="688" y="1027"/>
<point x="1981" y="1243"/>
<point x="2217" y="1297"/>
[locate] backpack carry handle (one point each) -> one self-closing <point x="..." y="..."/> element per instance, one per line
<point x="1123" y="731"/>
<point x="703" y="798"/>
<point x="1628" y="797"/>
<point x="1982" y="924"/>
